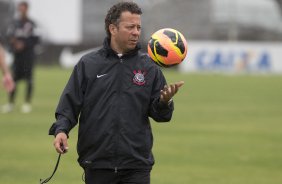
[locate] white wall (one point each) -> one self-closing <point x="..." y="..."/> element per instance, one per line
<point x="59" y="20"/>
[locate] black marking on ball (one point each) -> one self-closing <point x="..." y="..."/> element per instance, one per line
<point x="160" y="50"/>
<point x="171" y="35"/>
<point x="164" y="65"/>
<point x="180" y="44"/>
<point x="151" y="44"/>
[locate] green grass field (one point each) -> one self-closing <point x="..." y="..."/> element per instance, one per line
<point x="225" y="130"/>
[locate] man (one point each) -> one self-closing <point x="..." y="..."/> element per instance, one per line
<point x="7" y="80"/>
<point x="113" y="92"/>
<point x="22" y="42"/>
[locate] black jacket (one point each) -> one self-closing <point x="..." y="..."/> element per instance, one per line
<point x="113" y="98"/>
<point x="24" y="31"/>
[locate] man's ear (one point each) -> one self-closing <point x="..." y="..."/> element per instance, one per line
<point x="112" y="29"/>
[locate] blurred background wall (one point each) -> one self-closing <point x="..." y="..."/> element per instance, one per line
<point x="79" y="24"/>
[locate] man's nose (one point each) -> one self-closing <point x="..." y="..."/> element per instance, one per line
<point x="136" y="31"/>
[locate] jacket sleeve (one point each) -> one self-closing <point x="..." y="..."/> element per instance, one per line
<point x="70" y="103"/>
<point x="158" y="111"/>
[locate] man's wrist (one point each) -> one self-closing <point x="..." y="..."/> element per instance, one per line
<point x="60" y="131"/>
<point x="166" y="102"/>
<point x="169" y="102"/>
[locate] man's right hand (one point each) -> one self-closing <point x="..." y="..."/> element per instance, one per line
<point x="61" y="143"/>
<point x="8" y="82"/>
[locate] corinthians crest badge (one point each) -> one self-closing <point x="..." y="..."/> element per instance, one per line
<point x="139" y="77"/>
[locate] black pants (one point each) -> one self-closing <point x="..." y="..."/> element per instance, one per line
<point x="23" y="70"/>
<point x="107" y="176"/>
<point x="29" y="90"/>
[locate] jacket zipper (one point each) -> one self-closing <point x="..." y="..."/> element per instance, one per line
<point x="118" y="119"/>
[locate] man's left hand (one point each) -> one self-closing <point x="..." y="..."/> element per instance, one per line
<point x="169" y="91"/>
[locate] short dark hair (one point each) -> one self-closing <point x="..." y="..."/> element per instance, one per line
<point x="115" y="11"/>
<point x="23" y="3"/>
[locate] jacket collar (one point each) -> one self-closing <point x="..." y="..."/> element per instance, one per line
<point x="109" y="51"/>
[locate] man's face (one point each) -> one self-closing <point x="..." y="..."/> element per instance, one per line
<point x="126" y="34"/>
<point x="22" y="9"/>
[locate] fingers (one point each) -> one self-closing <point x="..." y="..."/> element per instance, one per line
<point x="165" y="94"/>
<point x="173" y="89"/>
<point x="179" y="84"/>
<point x="60" y="143"/>
<point x="176" y="86"/>
<point x="57" y="146"/>
<point x="169" y="91"/>
<point x="161" y="96"/>
<point x="65" y="146"/>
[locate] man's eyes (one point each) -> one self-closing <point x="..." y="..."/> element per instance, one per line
<point x="133" y="27"/>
